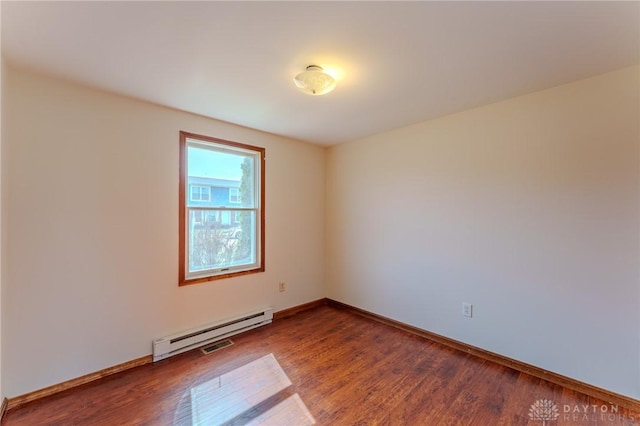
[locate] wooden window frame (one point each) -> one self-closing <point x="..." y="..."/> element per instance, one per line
<point x="182" y="208"/>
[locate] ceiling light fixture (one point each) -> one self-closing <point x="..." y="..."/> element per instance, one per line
<point x="314" y="81"/>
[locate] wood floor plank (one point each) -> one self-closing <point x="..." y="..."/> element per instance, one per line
<point x="344" y="369"/>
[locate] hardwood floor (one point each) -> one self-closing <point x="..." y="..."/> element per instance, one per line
<point x="326" y="365"/>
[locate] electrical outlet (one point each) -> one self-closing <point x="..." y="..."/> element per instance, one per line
<point x="281" y="286"/>
<point x="467" y="309"/>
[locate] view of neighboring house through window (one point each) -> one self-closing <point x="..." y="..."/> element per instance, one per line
<point x="221" y="208"/>
<point x="234" y="195"/>
<point x="200" y="193"/>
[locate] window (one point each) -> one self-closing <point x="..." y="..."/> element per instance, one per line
<point x="225" y="236"/>
<point x="234" y="195"/>
<point x="200" y="193"/>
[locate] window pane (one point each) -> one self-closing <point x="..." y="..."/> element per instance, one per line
<point x="205" y="193"/>
<point x="220" y="242"/>
<point x="217" y="172"/>
<point x="234" y="195"/>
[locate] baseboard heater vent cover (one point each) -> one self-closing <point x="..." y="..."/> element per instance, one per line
<point x="216" y="346"/>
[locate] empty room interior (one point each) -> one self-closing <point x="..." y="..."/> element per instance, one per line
<point x="403" y="213"/>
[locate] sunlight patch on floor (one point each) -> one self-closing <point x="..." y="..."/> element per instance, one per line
<point x="249" y="395"/>
<point x="291" y="411"/>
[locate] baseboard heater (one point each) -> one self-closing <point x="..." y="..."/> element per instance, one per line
<point x="190" y="339"/>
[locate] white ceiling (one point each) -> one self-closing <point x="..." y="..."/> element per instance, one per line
<point x="398" y="62"/>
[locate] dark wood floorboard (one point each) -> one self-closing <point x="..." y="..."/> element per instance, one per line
<point x="343" y="368"/>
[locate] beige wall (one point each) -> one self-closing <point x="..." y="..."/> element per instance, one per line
<point x="2" y="252"/>
<point x="93" y="230"/>
<point x="527" y="208"/>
